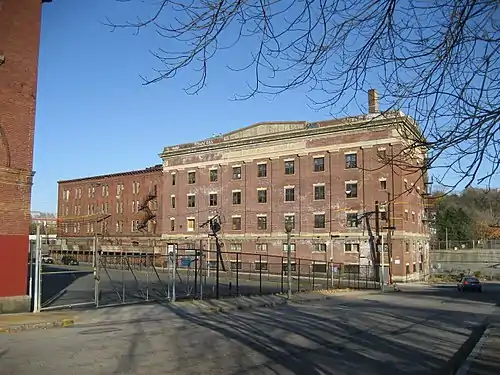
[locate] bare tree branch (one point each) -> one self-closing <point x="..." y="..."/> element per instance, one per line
<point x="437" y="60"/>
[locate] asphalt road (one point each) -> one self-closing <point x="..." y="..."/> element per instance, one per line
<point x="418" y="331"/>
<point x="62" y="286"/>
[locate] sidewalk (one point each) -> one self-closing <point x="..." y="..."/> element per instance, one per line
<point x="121" y="313"/>
<point x="487" y="358"/>
<point x="21" y="322"/>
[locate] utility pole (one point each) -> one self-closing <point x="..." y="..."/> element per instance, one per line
<point x="288" y="229"/>
<point x="377" y="239"/>
<point x="390" y="228"/>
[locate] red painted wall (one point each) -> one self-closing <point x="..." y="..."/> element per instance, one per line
<point x="13" y="265"/>
<point x="19" y="44"/>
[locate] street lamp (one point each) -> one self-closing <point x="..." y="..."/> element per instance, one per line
<point x="288" y="230"/>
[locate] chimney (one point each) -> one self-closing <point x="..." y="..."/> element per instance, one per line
<point x="373" y="101"/>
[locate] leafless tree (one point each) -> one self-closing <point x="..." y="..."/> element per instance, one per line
<point x="436" y="60"/>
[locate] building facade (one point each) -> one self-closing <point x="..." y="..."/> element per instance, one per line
<point x="324" y="177"/>
<point x="19" y="44"/>
<point x="120" y="205"/>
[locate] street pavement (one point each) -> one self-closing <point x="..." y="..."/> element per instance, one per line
<point x="76" y="285"/>
<point x="417" y="331"/>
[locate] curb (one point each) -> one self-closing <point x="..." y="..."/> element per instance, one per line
<point x="273" y="300"/>
<point x="63" y="323"/>
<point x="476" y="351"/>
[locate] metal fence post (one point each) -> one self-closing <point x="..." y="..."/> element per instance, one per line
<point x="298" y="276"/>
<point x="174" y="271"/>
<point x="37" y="292"/>
<point x="313" y="268"/>
<point x="260" y="273"/>
<point x="217" y="269"/>
<point x="282" y="273"/>
<point x="237" y="274"/>
<point x="97" y="276"/>
<point x="123" y="280"/>
<point x="196" y="272"/>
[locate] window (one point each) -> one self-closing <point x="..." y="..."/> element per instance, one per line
<point x="383" y="184"/>
<point x="407" y="216"/>
<point x="261" y="170"/>
<point x="352" y="220"/>
<point x="406" y="184"/>
<point x="319" y="192"/>
<point x="285" y="247"/>
<point x="260" y="266"/>
<point x="261" y="222"/>
<point x="293" y="266"/>
<point x="289" y="194"/>
<point x="214" y="175"/>
<point x="319" y="164"/>
<point x="319" y="221"/>
<point x="351" y="268"/>
<point x="236" y="197"/>
<point x="407" y="247"/>
<point x="172" y="201"/>
<point x="351" y="247"/>
<point x="236" y="247"/>
<point x="351" y="161"/>
<point x="289" y="167"/>
<point x="236" y="223"/>
<point x="236" y="173"/>
<point x="191" y="200"/>
<point x="190" y="225"/>
<point x="413" y="216"/>
<point x="191" y="177"/>
<point x="174" y="177"/>
<point x="213" y="199"/>
<point x="262" y="196"/>
<point x="290" y="218"/>
<point x="172" y="225"/>
<point x="119" y="190"/>
<point x="351" y="190"/>
<point x="319" y="267"/>
<point x="133" y="206"/>
<point x="235" y="265"/>
<point x="261" y="247"/>
<point x="319" y="247"/>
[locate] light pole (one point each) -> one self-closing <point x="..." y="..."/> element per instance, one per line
<point x="288" y="229"/>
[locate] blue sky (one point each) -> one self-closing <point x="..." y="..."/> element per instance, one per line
<point x="94" y="116"/>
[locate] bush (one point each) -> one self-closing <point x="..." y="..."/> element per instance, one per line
<point x="477" y="274"/>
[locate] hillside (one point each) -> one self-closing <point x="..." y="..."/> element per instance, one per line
<point x="473" y="214"/>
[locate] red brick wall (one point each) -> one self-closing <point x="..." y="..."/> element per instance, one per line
<point x="368" y="174"/>
<point x="19" y="44"/>
<point x="146" y="181"/>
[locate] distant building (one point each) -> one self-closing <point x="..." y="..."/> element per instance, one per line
<point x="119" y="205"/>
<point x="323" y="177"/>
<point x="47" y="222"/>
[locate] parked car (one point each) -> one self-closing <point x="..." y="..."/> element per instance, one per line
<point x="47" y="260"/>
<point x="469" y="283"/>
<point x="69" y="261"/>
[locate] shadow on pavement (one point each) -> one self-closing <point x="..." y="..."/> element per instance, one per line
<point x="380" y="336"/>
<point x="57" y="282"/>
<point x="490" y="293"/>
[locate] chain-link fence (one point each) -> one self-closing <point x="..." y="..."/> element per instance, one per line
<point x="127" y="274"/>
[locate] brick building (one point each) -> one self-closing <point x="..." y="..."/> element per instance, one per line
<point x="19" y="44"/>
<point x="113" y="205"/>
<point x="321" y="175"/>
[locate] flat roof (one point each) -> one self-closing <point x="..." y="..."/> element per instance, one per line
<point x="155" y="168"/>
